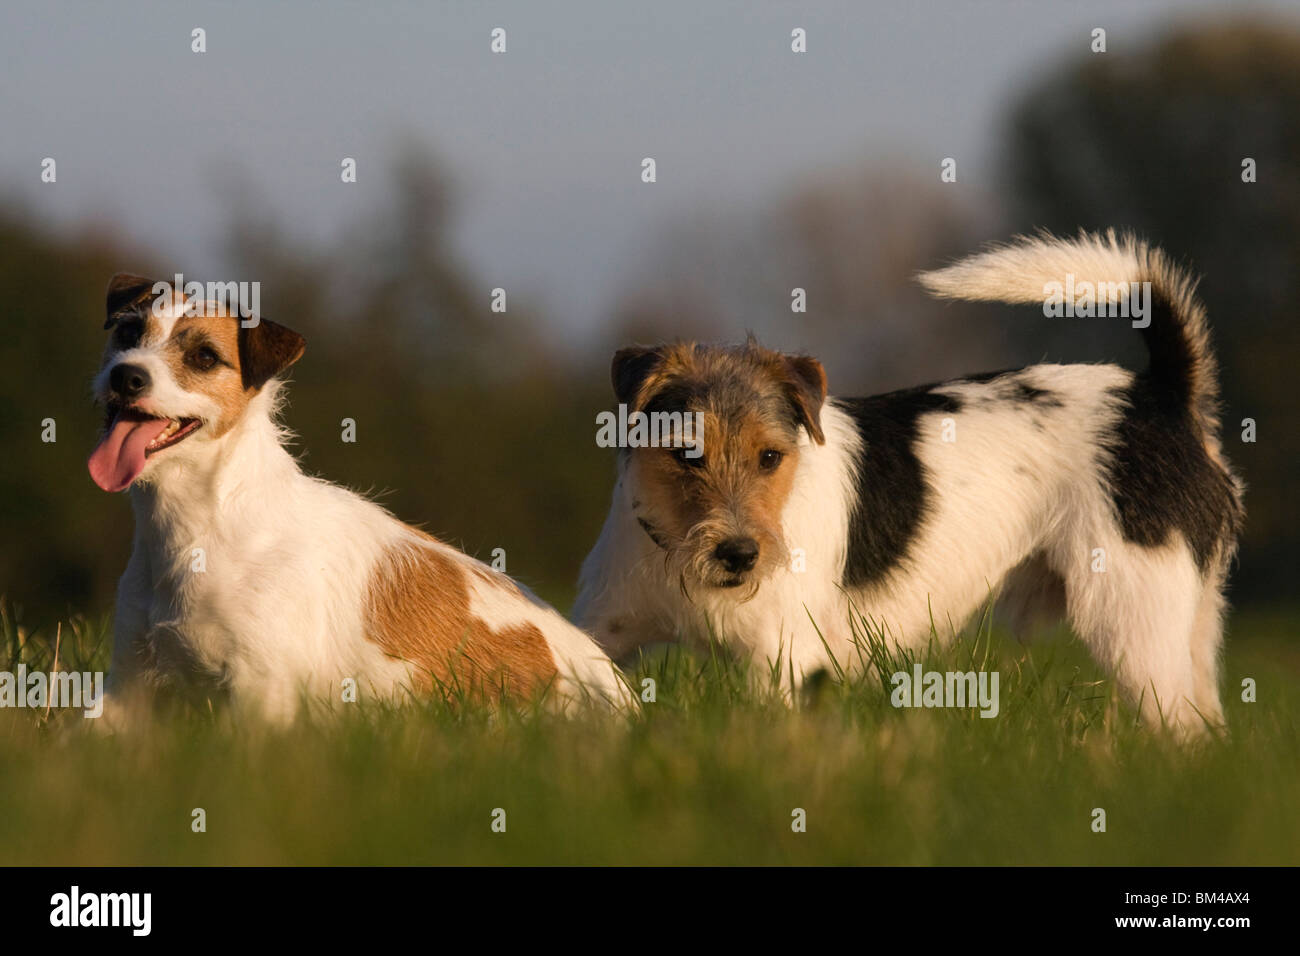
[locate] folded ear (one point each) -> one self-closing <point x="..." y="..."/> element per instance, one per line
<point x="266" y="350"/>
<point x="124" y="290"/>
<point x="630" y="368"/>
<point x="806" y="387"/>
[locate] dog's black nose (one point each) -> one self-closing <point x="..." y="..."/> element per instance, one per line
<point x="128" y="381"/>
<point x="737" y="554"/>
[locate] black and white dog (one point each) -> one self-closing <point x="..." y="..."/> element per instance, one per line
<point x="1087" y="491"/>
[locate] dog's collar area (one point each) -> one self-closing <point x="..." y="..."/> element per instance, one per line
<point x="655" y="536"/>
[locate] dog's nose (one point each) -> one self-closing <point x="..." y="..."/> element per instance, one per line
<point x="129" y="381"/>
<point x="737" y="554"/>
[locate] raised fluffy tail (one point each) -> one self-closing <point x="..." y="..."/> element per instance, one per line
<point x="1182" y="365"/>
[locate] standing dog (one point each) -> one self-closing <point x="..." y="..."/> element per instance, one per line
<point x="251" y="578"/>
<point x="1085" y="490"/>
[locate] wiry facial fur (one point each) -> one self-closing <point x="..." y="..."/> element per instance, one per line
<point x="913" y="508"/>
<point x="749" y="401"/>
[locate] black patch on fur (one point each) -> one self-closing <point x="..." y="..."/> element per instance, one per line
<point x="674" y="397"/>
<point x="1026" y="393"/>
<point x="1009" y="387"/>
<point x="892" y="492"/>
<point x="125" y="294"/>
<point x="630" y="368"/>
<point x="1161" y="477"/>
<point x="1172" y="357"/>
<point x="983" y="376"/>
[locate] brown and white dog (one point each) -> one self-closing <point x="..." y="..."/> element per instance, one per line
<point x="1087" y="491"/>
<point x="251" y="579"/>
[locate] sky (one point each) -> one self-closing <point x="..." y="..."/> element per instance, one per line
<point x="543" y="143"/>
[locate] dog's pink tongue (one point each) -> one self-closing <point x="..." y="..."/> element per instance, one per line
<point x="119" y="456"/>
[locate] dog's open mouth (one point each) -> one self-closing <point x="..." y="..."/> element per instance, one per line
<point x="732" y="582"/>
<point x="177" y="430"/>
<point x="130" y="437"/>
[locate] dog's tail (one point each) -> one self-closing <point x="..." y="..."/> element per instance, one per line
<point x="1028" y="269"/>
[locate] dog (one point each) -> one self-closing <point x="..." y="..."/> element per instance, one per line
<point x="1079" y="491"/>
<point x="253" y="581"/>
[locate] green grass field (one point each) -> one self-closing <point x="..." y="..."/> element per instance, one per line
<point x="710" y="773"/>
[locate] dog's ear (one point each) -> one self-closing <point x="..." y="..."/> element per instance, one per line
<point x="124" y="290"/>
<point x="630" y="368"/>
<point x="266" y="350"/>
<point x="806" y="387"/>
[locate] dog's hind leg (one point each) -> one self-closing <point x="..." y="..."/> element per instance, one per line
<point x="1032" y="597"/>
<point x="1137" y="610"/>
<point x="1207" y="641"/>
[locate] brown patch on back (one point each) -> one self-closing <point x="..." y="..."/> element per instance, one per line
<point x="419" y="611"/>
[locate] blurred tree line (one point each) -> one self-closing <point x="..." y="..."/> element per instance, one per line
<point x="473" y="425"/>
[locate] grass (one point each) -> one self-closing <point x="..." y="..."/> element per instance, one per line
<point x="709" y="773"/>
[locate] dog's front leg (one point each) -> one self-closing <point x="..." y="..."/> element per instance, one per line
<point x="788" y="654"/>
<point x="126" y="694"/>
<point x="618" y="623"/>
<point x="616" y="597"/>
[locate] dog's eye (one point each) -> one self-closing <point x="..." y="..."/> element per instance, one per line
<point x="128" y="334"/>
<point x="769" y="458"/>
<point x="202" y="359"/>
<point x="686" y="460"/>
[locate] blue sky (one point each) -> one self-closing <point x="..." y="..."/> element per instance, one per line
<point x="543" y="143"/>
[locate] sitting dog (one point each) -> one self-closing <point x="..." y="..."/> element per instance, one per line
<point x="1087" y="491"/>
<point x="252" y="579"/>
